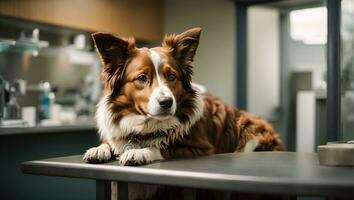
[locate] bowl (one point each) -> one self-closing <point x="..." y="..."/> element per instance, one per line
<point x="339" y="153"/>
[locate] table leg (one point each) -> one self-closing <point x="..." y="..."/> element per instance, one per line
<point x="226" y="196"/>
<point x="103" y="190"/>
<point x="189" y="194"/>
<point x="122" y="191"/>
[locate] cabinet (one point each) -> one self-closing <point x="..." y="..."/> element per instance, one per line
<point x="141" y="19"/>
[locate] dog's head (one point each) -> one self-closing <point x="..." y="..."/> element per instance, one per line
<point x="154" y="83"/>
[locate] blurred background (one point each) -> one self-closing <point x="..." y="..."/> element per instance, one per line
<point x="50" y="73"/>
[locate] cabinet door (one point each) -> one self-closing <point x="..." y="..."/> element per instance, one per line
<point x="142" y="19"/>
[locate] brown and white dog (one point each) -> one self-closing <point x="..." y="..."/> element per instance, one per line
<point x="151" y="111"/>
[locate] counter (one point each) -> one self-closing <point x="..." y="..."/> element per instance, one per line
<point x="46" y="129"/>
<point x="19" y="144"/>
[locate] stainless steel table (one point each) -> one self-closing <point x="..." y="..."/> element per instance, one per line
<point x="286" y="173"/>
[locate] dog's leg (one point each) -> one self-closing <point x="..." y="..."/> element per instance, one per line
<point x="101" y="153"/>
<point x="117" y="147"/>
<point x="140" y="156"/>
<point x="191" y="147"/>
<point x="251" y="145"/>
<point x="148" y="155"/>
<point x="269" y="142"/>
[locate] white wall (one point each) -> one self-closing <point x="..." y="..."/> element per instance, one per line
<point x="305" y="121"/>
<point x="215" y="59"/>
<point x="263" y="61"/>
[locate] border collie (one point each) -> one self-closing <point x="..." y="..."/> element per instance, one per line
<point x="150" y="110"/>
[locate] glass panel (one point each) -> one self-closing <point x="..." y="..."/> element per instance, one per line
<point x="347" y="79"/>
<point x="304" y="64"/>
<point x="286" y="72"/>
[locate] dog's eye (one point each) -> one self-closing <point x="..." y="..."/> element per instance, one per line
<point x="171" y="77"/>
<point x="143" y="78"/>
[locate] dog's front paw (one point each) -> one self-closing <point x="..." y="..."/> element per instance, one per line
<point x="140" y="156"/>
<point x="101" y="153"/>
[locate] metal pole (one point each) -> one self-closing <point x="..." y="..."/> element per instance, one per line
<point x="241" y="56"/>
<point x="123" y="191"/>
<point x="103" y="190"/>
<point x="333" y="70"/>
<point x="189" y="194"/>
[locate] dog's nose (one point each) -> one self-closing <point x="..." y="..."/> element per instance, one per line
<point x="165" y="102"/>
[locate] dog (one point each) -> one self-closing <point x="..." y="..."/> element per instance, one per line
<point x="151" y="110"/>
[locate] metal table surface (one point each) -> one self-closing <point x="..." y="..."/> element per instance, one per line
<point x="262" y="172"/>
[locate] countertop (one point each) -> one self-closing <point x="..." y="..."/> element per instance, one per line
<point x="266" y="172"/>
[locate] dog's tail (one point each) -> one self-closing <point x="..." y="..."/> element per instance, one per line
<point x="256" y="134"/>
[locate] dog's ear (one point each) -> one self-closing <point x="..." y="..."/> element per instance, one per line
<point x="113" y="50"/>
<point x="184" y="45"/>
<point x="183" y="48"/>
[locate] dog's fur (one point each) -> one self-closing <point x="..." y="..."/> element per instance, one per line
<point x="133" y="126"/>
<point x="137" y="126"/>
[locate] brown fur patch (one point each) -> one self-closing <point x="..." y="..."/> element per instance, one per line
<point x="224" y="129"/>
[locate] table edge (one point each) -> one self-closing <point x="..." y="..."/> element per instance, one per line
<point x="203" y="180"/>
